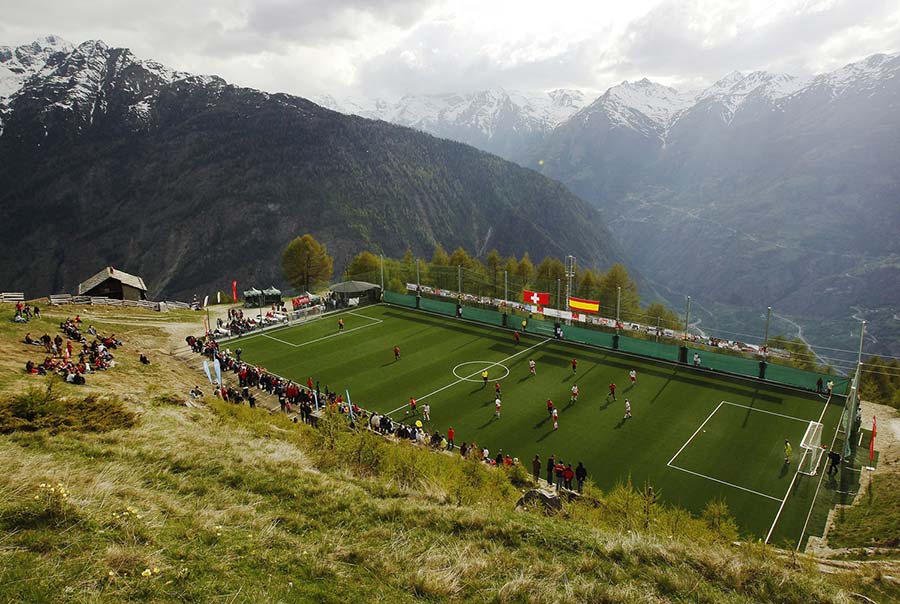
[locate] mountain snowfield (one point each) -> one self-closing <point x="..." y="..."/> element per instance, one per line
<point x="71" y="77"/>
<point x="481" y="118"/>
<point x="499" y="121"/>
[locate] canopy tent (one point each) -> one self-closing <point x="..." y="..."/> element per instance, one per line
<point x="254" y="298"/>
<point x="363" y="291"/>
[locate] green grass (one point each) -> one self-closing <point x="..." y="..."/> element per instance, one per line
<point x="742" y="444"/>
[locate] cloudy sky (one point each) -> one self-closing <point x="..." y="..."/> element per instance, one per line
<point x="388" y="48"/>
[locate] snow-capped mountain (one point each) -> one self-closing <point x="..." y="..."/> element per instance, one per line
<point x="108" y="159"/>
<point x="20" y="63"/>
<point x="784" y="186"/>
<point x="497" y="120"/>
<point x="74" y="85"/>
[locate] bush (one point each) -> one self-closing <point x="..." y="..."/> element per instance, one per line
<point x="39" y="409"/>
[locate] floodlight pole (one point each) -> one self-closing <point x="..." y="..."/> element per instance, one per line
<point x="687" y="317"/>
<point x="459" y="282"/>
<point x="418" y="283"/>
<point x="657" y="328"/>
<point x="618" y="306"/>
<point x="381" y="257"/>
<point x="862" y="335"/>
<point x="505" y="290"/>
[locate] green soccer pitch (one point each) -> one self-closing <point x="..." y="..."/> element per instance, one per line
<point x="694" y="435"/>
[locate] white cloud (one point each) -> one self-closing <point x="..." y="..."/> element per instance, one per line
<point x="390" y="47"/>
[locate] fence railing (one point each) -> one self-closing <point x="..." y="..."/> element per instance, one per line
<point x="60" y="299"/>
<point x="587" y="333"/>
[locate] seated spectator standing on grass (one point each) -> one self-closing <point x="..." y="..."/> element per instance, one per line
<point x="32" y="341"/>
<point x="144" y="360"/>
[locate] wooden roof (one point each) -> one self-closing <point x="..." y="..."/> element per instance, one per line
<point x="111" y="273"/>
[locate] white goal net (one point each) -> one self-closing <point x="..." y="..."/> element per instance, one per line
<point x="812" y="449"/>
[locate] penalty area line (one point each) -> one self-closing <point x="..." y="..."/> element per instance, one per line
<point x="334" y="335"/>
<point x="463" y="379"/>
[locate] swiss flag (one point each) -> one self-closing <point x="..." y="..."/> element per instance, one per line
<point x="536" y="298"/>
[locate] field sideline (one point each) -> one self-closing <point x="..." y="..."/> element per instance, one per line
<point x="694" y="435"/>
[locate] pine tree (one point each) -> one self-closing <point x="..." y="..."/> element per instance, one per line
<point x="305" y="262"/>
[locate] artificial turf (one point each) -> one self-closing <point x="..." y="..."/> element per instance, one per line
<point x="737" y="454"/>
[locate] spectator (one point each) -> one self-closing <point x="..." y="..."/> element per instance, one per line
<point x="580" y="476"/>
<point x="536" y="467"/>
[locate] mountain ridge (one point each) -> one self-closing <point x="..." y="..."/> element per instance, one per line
<point x="106" y="159"/>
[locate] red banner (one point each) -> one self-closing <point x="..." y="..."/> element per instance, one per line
<point x="234" y="291"/>
<point x="872" y="441"/>
<point x="536" y="298"/>
<point x="300" y="301"/>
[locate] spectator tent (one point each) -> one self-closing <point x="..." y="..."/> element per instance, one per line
<point x="367" y="293"/>
<point x="253" y="298"/>
<point x="110" y="283"/>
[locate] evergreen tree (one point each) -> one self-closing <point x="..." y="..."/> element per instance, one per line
<point x="305" y="262"/>
<point x="460" y="257"/>
<point x="363" y="265"/>
<point x="493" y="262"/>
<point x="525" y="270"/>
<point x="588" y="285"/>
<point x="440" y="257"/>
<point x="551" y="269"/>
<point x="668" y="318"/>
<point x="609" y="283"/>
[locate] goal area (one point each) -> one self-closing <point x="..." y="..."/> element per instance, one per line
<point x="812" y="449"/>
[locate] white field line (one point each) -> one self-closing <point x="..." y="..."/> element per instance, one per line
<point x="334" y="335"/>
<point x="463" y="379"/>
<point x="725" y="483"/>
<point x="709" y="417"/>
<point x="297" y="323"/>
<point x="805" y="421"/>
<point x="791" y="486"/>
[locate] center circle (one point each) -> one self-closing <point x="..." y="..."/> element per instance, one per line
<point x="484" y="365"/>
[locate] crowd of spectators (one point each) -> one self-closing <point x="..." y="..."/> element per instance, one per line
<point x="24" y="312"/>
<point x="75" y="357"/>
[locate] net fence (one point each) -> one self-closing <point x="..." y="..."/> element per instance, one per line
<point x="494" y="299"/>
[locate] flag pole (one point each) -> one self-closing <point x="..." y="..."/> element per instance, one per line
<point x="766" y="337"/>
<point x="381" y="257"/>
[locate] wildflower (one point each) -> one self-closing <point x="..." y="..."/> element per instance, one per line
<point x="112" y="574"/>
<point x="155" y="570"/>
<point x="147" y="572"/>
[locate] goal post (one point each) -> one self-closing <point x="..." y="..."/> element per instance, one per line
<point x="812" y="449"/>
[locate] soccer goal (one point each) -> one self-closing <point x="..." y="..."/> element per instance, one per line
<point x="812" y="449"/>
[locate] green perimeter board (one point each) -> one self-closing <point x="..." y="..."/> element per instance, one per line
<point x="669" y="402"/>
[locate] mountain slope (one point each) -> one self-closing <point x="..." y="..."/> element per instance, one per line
<point x="762" y="190"/>
<point x="191" y="182"/>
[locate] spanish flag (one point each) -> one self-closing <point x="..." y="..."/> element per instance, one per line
<point x="591" y="306"/>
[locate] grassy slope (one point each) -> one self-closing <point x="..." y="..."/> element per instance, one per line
<point x="240" y="506"/>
